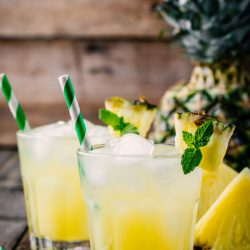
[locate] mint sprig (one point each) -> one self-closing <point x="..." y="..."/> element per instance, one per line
<point x="116" y="122"/>
<point x="192" y="156"/>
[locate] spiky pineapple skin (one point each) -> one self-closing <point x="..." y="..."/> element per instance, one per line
<point x="222" y="93"/>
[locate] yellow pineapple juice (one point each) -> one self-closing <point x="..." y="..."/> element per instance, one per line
<point x="55" y="209"/>
<point x="139" y="202"/>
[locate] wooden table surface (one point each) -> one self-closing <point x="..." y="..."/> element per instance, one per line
<point x="13" y="225"/>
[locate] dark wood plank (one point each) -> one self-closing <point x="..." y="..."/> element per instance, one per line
<point x="110" y="67"/>
<point x="11" y="195"/>
<point x="33" y="68"/>
<point x="10" y="173"/>
<point x="11" y="232"/>
<point x="4" y="155"/>
<point x="130" y="69"/>
<point x="12" y="212"/>
<point x="98" y="70"/>
<point x="12" y="205"/>
<point x="78" y="18"/>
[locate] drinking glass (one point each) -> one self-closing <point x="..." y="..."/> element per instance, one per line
<point x="139" y="202"/>
<point x="55" y="209"/>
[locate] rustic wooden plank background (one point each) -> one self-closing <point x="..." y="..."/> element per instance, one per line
<point x="78" y="18"/>
<point x="109" y="47"/>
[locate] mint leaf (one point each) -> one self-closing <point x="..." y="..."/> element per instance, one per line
<point x="117" y="123"/>
<point x="109" y="118"/>
<point x="203" y="134"/>
<point x="190" y="159"/>
<point x="129" y="128"/>
<point x="188" y="138"/>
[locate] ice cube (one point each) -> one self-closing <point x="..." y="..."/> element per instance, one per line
<point x="98" y="134"/>
<point x="132" y="144"/>
<point x="67" y="129"/>
<point x="112" y="142"/>
<point x="97" y="130"/>
<point x="59" y="129"/>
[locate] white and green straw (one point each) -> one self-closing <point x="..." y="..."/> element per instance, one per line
<point x="13" y="103"/>
<point x="74" y="111"/>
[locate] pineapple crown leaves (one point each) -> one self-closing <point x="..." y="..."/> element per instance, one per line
<point x="209" y="30"/>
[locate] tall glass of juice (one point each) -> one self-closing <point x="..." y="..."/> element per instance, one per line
<point x="55" y="209"/>
<point x="139" y="202"/>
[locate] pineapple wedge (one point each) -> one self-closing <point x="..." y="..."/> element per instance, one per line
<point x="225" y="226"/>
<point x="139" y="113"/>
<point x="212" y="185"/>
<point x="214" y="152"/>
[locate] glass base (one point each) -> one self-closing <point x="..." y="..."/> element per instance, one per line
<point x="45" y="244"/>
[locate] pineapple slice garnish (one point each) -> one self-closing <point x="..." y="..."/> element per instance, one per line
<point x="225" y="226"/>
<point x="214" y="152"/>
<point x="212" y="185"/>
<point x="138" y="113"/>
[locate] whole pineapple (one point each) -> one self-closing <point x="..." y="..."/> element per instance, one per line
<point x="216" y="35"/>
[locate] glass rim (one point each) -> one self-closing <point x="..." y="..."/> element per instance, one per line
<point x="82" y="152"/>
<point x="28" y="135"/>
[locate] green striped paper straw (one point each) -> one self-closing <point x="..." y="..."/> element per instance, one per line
<point x="74" y="111"/>
<point x="13" y="103"/>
